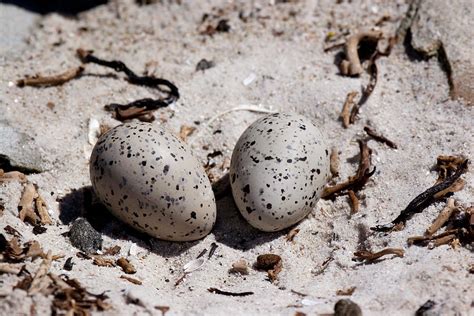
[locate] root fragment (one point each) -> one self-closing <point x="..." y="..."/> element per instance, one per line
<point x="352" y="65"/>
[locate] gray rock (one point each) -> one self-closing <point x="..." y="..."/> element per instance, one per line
<point x="84" y="237"/>
<point x="19" y="151"/>
<point x="447" y="25"/>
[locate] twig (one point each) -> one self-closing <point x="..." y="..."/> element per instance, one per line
<point x="355" y="204"/>
<point x="334" y="162"/>
<point x="212" y="250"/>
<point x="442" y="218"/>
<point x="367" y="91"/>
<point x="352" y="66"/>
<point x="357" y="181"/>
<point x="292" y="234"/>
<point x="379" y="138"/>
<point x="54" y="80"/>
<point x="364" y="255"/>
<point x="423" y="240"/>
<point x="424" y="199"/>
<point x="132" y="280"/>
<point x="347" y="107"/>
<point x="217" y="291"/>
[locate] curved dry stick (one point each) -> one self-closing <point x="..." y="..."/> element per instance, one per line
<point x="352" y="66"/>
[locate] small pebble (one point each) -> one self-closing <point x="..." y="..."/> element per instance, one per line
<point x="347" y="308"/>
<point x="84" y="237"/>
<point x="68" y="264"/>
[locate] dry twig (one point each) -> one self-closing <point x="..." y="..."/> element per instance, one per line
<point x="54" y="80"/>
<point x="334" y="162"/>
<point x="346" y="292"/>
<point x="347" y="107"/>
<point x="368" y="256"/>
<point x="357" y="181"/>
<point x="292" y="234"/>
<point x="126" y="266"/>
<point x="132" y="280"/>
<point x="355" y="204"/>
<point x="352" y="65"/>
<point x="380" y="138"/>
<point x="217" y="291"/>
<point x="442" y="218"/>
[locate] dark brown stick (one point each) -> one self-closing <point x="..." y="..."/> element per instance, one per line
<point x="380" y="138"/>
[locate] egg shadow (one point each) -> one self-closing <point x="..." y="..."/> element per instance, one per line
<point x="231" y="228"/>
<point x="83" y="202"/>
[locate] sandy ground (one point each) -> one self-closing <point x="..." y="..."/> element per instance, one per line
<point x="282" y="45"/>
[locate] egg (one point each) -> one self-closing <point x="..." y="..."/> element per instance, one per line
<point x="149" y="179"/>
<point x="278" y="170"/>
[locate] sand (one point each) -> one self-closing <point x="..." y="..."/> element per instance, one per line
<point x="281" y="45"/>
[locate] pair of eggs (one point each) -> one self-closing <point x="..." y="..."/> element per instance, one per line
<point x="151" y="180"/>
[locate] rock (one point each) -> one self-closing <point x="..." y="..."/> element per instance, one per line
<point x="451" y="31"/>
<point x="84" y="237"/>
<point x="347" y="308"/>
<point x="18" y="151"/>
<point x="204" y="64"/>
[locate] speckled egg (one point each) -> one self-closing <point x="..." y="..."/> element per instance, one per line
<point x="150" y="180"/>
<point x="278" y="170"/>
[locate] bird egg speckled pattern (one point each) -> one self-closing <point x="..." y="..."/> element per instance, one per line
<point x="279" y="168"/>
<point x="150" y="180"/>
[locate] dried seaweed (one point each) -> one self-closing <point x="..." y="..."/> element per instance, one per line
<point x="369" y="88"/>
<point x="103" y="262"/>
<point x="346" y="292"/>
<point x="334" y="162"/>
<point x="32" y="208"/>
<point x="12" y="231"/>
<point x="442" y="218"/>
<point x="347" y="107"/>
<point x="15" y="253"/>
<point x="368" y="256"/>
<point x="352" y="66"/>
<point x="221" y="292"/>
<point x="271" y="263"/>
<point x="186" y="131"/>
<point x="240" y="266"/>
<point x="292" y="234"/>
<point x="25" y="206"/>
<point x="126" y="266"/>
<point x="141" y="109"/>
<point x="162" y="309"/>
<point x="212" y="250"/>
<point x="12" y="176"/>
<point x="380" y="138"/>
<point x="355" y="204"/>
<point x="447" y="165"/>
<point x="70" y="296"/>
<point x="357" y="181"/>
<point x="112" y="251"/>
<point x="423" y="310"/>
<point x="423" y="200"/>
<point x="40" y="280"/>
<point x="55" y="80"/>
<point x="324" y="265"/>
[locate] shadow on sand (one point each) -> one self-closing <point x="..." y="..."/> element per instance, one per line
<point x="231" y="228"/>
